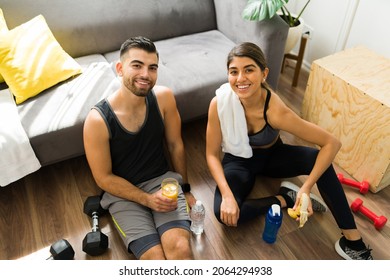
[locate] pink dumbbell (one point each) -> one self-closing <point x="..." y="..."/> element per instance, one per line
<point x="379" y="221"/>
<point x="363" y="186"/>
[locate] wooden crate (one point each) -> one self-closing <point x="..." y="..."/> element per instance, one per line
<point x="348" y="94"/>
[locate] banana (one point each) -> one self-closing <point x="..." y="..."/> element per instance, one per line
<point x="301" y="211"/>
<point x="293" y="213"/>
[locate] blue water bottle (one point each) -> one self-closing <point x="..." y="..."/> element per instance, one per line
<point x="273" y="221"/>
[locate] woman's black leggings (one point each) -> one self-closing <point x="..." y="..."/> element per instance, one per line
<point x="280" y="161"/>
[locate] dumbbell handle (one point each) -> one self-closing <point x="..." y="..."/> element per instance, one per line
<point x="95" y="221"/>
<point x="362" y="186"/>
<point x="379" y="221"/>
<point x="368" y="213"/>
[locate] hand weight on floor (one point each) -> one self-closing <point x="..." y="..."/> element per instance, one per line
<point x="363" y="186"/>
<point x="61" y="250"/>
<point x="379" y="221"/>
<point x="95" y="242"/>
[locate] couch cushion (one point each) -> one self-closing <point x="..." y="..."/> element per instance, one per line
<point x="31" y="60"/>
<point x="98" y="26"/>
<point x="3" y="30"/>
<point x="193" y="66"/>
<point x="54" y="120"/>
<point x="3" y="24"/>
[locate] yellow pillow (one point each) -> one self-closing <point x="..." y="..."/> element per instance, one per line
<point x="31" y="60"/>
<point x="3" y="30"/>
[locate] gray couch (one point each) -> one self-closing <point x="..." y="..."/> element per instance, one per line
<point x="193" y="38"/>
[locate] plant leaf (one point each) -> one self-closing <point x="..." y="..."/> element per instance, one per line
<point x="258" y="10"/>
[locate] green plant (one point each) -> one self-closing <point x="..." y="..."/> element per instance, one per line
<point x="258" y="10"/>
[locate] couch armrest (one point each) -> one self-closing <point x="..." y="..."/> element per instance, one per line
<point x="270" y="35"/>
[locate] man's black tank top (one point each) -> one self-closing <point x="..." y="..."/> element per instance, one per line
<point x="136" y="156"/>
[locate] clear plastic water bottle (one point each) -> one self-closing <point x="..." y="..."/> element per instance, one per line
<point x="273" y="221"/>
<point x="197" y="215"/>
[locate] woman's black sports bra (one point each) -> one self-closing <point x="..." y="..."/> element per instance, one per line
<point x="267" y="134"/>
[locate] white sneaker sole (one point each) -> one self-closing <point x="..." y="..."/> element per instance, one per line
<point x="295" y="188"/>
<point x="340" y="251"/>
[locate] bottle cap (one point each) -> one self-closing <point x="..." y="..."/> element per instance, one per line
<point x="275" y="210"/>
<point x="198" y="202"/>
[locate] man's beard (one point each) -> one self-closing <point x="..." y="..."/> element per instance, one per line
<point x="130" y="85"/>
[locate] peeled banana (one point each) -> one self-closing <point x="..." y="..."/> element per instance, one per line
<point x="301" y="211"/>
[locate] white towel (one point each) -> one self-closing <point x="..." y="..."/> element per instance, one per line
<point x="231" y="114"/>
<point x="17" y="158"/>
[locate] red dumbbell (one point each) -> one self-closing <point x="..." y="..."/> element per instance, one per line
<point x="363" y="186"/>
<point x="379" y="221"/>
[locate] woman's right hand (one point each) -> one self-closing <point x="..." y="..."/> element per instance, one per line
<point x="230" y="211"/>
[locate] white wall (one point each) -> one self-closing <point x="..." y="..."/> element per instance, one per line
<point x="371" y="26"/>
<point x="341" y="24"/>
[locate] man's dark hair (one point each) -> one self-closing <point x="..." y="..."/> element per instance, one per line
<point x="138" y="42"/>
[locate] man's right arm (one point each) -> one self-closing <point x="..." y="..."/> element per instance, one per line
<point x="97" y="151"/>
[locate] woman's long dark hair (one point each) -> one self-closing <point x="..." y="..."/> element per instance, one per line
<point x="252" y="51"/>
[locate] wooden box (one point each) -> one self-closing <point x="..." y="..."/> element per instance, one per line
<point x="348" y="94"/>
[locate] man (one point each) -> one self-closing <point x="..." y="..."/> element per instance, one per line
<point x="124" y="137"/>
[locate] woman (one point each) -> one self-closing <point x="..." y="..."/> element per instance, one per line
<point x="245" y="119"/>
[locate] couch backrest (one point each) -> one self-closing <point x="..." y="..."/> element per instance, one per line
<point x="84" y="27"/>
<point x="270" y="35"/>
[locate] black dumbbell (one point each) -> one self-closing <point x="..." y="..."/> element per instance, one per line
<point x="95" y="242"/>
<point x="61" y="250"/>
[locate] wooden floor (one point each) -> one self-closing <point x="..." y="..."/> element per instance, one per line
<point x="47" y="206"/>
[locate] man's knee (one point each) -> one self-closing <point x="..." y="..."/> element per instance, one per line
<point x="182" y="244"/>
<point x="181" y="250"/>
<point x="176" y="244"/>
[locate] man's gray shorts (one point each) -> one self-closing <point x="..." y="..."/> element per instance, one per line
<point x="135" y="221"/>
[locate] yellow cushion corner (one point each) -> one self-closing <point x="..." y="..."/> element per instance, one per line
<point x="3" y="30"/>
<point x="31" y="59"/>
